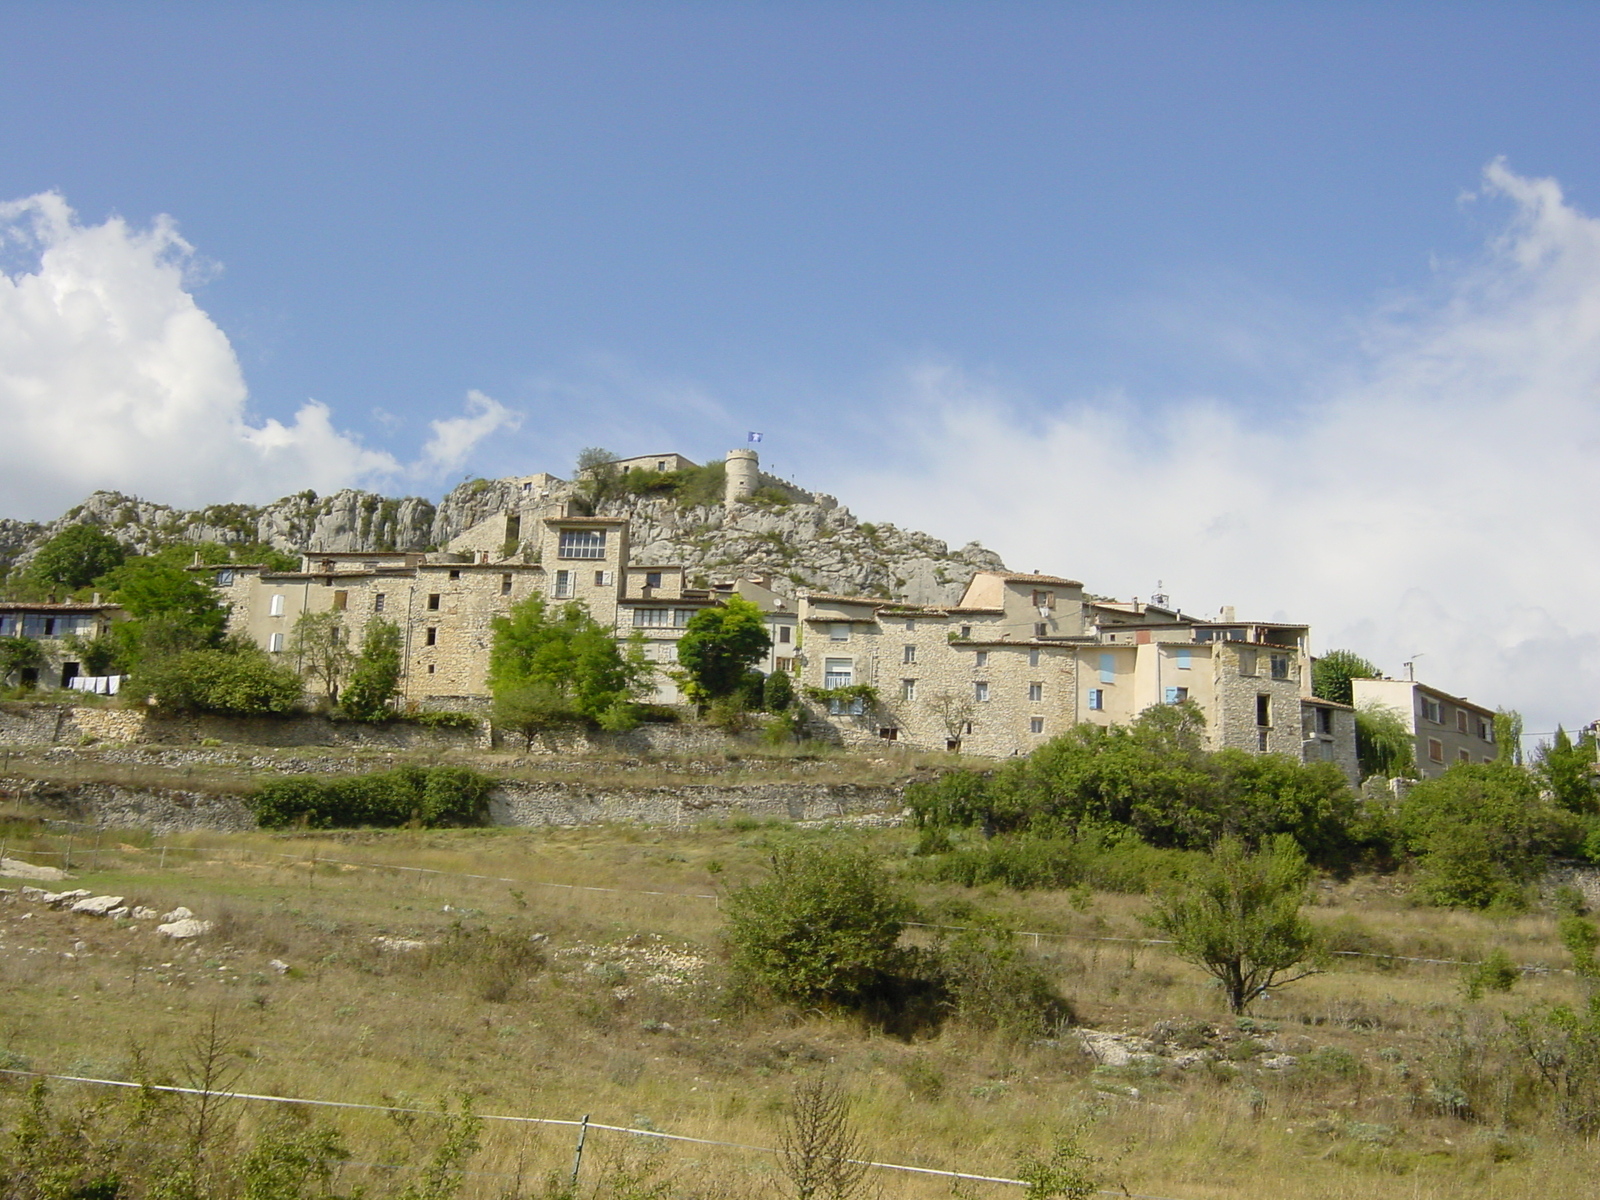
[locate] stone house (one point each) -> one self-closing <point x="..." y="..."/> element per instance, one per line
<point x="1023" y="658"/>
<point x="1447" y="729"/>
<point x="56" y="628"/>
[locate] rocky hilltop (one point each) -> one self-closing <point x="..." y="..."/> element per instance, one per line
<point x="799" y="538"/>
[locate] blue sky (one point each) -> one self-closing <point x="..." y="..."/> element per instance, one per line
<point x="1217" y="294"/>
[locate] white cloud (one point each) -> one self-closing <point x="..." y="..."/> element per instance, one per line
<point x="111" y="376"/>
<point x="1434" y="495"/>
<point x="454" y="439"/>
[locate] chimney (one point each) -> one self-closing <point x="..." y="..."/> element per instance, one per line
<point x="1227" y="612"/>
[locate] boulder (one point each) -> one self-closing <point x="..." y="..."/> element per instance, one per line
<point x="141" y="913"/>
<point x="63" y="899"/>
<point x="97" y="906"/>
<point x="186" y="927"/>
<point x="178" y="914"/>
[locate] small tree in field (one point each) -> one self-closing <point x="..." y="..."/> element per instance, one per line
<point x="1238" y="918"/>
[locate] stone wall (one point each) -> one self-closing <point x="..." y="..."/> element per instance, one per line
<point x="65" y="724"/>
<point x="173" y="810"/>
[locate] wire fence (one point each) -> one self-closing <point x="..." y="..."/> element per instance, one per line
<point x="583" y="1125"/>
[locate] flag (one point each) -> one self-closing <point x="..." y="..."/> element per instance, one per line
<point x="755" y="437"/>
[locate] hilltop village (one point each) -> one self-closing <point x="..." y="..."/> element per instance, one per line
<point x="957" y="653"/>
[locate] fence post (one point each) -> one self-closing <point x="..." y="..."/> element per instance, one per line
<point x="163" y="857"/>
<point x="66" y="862"/>
<point x="95" y="861"/>
<point x="577" y="1159"/>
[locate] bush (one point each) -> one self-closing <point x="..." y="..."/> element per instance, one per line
<point x="432" y="797"/>
<point x="240" y="681"/>
<point x="777" y="692"/>
<point x="823" y="929"/>
<point x="993" y="983"/>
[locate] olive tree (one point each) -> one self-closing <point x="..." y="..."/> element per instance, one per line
<point x="1237" y="917"/>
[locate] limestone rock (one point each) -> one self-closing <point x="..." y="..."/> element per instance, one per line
<point x="141" y="913"/>
<point x="63" y="899"/>
<point x="278" y="965"/>
<point x="178" y="914"/>
<point x="188" y="927"/>
<point x="18" y="869"/>
<point x="97" y="906"/>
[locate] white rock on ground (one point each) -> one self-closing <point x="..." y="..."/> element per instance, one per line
<point x="278" y="965"/>
<point x="141" y="913"/>
<point x="178" y="914"/>
<point x="62" y="899"/>
<point x="18" y="869"/>
<point x="97" y="906"/>
<point x="186" y="927"/>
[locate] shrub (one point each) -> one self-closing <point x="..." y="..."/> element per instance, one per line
<point x="240" y="681"/>
<point x="991" y="982"/>
<point x="822" y="929"/>
<point x="431" y="797"/>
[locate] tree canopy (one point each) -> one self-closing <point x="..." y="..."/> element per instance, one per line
<point x="76" y="557"/>
<point x="720" y="646"/>
<point x="1331" y="675"/>
<point x="560" y="667"/>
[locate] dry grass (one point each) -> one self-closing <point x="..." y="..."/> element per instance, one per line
<point x="583" y="1025"/>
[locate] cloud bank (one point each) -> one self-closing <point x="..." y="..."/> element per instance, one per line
<point x="1433" y="497"/>
<point x="111" y="376"/>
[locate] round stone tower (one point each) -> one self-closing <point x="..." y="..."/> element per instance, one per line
<point x="744" y="468"/>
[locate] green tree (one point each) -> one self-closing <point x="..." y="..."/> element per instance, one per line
<point x="777" y="692"/>
<point x="1331" y="675"/>
<point x="597" y="478"/>
<point x="1385" y="745"/>
<point x="822" y="928"/>
<point x="1480" y="834"/>
<point x="375" y="678"/>
<point x="18" y="654"/>
<point x="321" y="649"/>
<point x="564" y="660"/>
<point x="76" y="557"/>
<point x="719" y="646"/>
<point x="1238" y="918"/>
<point x="157" y="592"/>
<point x="1508" y="735"/>
<point x="1567" y="770"/>
<point x="237" y="680"/>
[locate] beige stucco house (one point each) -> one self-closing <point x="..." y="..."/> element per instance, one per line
<point x="1447" y="729"/>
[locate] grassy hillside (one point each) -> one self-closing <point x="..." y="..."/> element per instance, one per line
<point x="560" y="1001"/>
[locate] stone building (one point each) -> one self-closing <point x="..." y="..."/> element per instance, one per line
<point x="57" y="628"/>
<point x="1447" y="729"/>
<point x="1024" y="658"/>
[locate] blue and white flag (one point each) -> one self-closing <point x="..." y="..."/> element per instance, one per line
<point x="755" y="437"/>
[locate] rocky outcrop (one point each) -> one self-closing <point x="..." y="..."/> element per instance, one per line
<point x="799" y="539"/>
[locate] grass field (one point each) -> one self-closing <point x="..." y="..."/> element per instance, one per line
<point x="537" y="994"/>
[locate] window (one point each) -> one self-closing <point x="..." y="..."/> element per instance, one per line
<point x="1033" y="658"/>
<point x="1485" y="730"/>
<point x="981" y="659"/>
<point x="224" y="578"/>
<point x="1435" y="750"/>
<point x="838" y="672"/>
<point x="378" y="602"/>
<point x="454" y="575"/>
<point x="1044" y="600"/>
<point x="908" y="654"/>
<point x="838" y="631"/>
<point x="681" y="616"/>
<point x="505" y="585"/>
<point x="582" y="543"/>
<point x="966" y="631"/>
<point x="1035" y="692"/>
<point x="911" y="626"/>
<point x="430" y="668"/>
<point x="602" y="578"/>
<point x="1097" y="700"/>
<point x="275" y="642"/>
<point x="908" y="689"/>
<point x="1325" y="721"/>
<point x="785" y="635"/>
<point x="431" y="637"/>
<point x="341" y="601"/>
<point x="644" y="618"/>
<point x="275" y="606"/>
<point x="433" y="601"/>
<point x="1280" y="666"/>
<point x="1035" y="724"/>
<point x="980" y="691"/>
<point x="563" y="584"/>
<point x="1176" y="695"/>
<point x="1433" y="710"/>
<point x="889" y="734"/>
<point x="1463" y="756"/>
<point x="778" y="664"/>
<point x="1247" y="662"/>
<point x="652" y="579"/>
<point x="1264" y="710"/>
<point x="1461" y="720"/>
<point x="1041" y="630"/>
<point x="1108" y="668"/>
<point x="1185" y="659"/>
